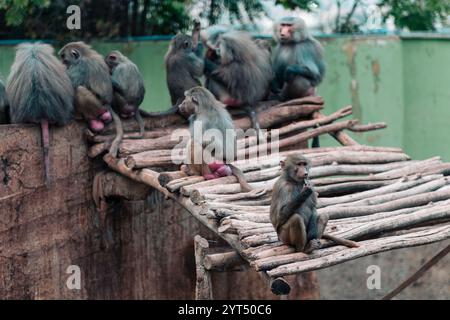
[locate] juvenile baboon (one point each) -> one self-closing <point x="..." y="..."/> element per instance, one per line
<point x="88" y="70"/>
<point x="128" y="87"/>
<point x="297" y="61"/>
<point x="293" y="208"/>
<point x="39" y="91"/>
<point x="210" y="114"/>
<point x="240" y="74"/>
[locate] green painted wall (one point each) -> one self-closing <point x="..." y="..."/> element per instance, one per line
<point x="402" y="81"/>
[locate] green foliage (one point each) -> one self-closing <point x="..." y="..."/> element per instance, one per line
<point x="18" y="10"/>
<point x="301" y="4"/>
<point x="234" y="9"/>
<point x="416" y="15"/>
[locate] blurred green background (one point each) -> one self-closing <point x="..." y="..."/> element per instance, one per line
<point x="403" y="81"/>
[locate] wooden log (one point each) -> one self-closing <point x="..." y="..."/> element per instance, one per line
<point x="259" y="175"/>
<point x="254" y="231"/>
<point x="214" y="206"/>
<point x="257" y="240"/>
<point x="354" y="169"/>
<point x="231" y="188"/>
<point x="350" y="187"/>
<point x="165" y="177"/>
<point x="163" y="143"/>
<point x="279" y="286"/>
<point x="421" y="167"/>
<point x="254" y="194"/>
<point x="410" y="201"/>
<point x="147" y="159"/>
<point x="273" y="160"/>
<point x="343" y="138"/>
<point x="268" y="250"/>
<point x="231" y="226"/>
<point x="368" y="247"/>
<point x="399" y="185"/>
<point x="297" y="138"/>
<point x="368" y="127"/>
<point x="146" y="176"/>
<point x="271" y="262"/>
<point x="387" y="214"/>
<point x="225" y="261"/>
<point x="302" y="125"/>
<point x="410" y="220"/>
<point x="422" y="188"/>
<point x="351" y="157"/>
<point x="279" y="115"/>
<point x="203" y="285"/>
<point x="175" y="185"/>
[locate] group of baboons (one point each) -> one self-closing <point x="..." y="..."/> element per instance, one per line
<point x="239" y="72"/>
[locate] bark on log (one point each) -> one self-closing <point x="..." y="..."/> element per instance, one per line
<point x="340" y="136"/>
<point x="399" y="185"/>
<point x="368" y="247"/>
<point x="411" y="201"/>
<point x="278" y="115"/>
<point x="427" y="215"/>
<point x="301" y="125"/>
<point x="203" y="287"/>
<point x="225" y="261"/>
<point x="165" y="177"/>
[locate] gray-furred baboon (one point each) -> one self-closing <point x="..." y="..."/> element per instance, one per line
<point x="128" y="87"/>
<point x="184" y="67"/>
<point x="4" y="112"/>
<point x="39" y="91"/>
<point x="293" y="208"/>
<point x="210" y="114"/>
<point x="241" y="74"/>
<point x="90" y="77"/>
<point x="297" y="60"/>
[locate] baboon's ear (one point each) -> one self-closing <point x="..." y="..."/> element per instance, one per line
<point x="282" y="164"/>
<point x="194" y="99"/>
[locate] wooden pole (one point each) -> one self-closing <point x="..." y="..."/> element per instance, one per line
<point x="203" y="286"/>
<point x="417" y="274"/>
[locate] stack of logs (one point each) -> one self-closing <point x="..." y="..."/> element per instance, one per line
<point x="374" y="195"/>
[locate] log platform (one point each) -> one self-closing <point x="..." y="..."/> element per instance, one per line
<point x="376" y="196"/>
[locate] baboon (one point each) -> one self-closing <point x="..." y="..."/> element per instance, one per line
<point x="210" y="114"/>
<point x="128" y="87"/>
<point x="88" y="70"/>
<point x="297" y="60"/>
<point x="39" y="91"/>
<point x="184" y="67"/>
<point x="293" y="208"/>
<point x="238" y="72"/>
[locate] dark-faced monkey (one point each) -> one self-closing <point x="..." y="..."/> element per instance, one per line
<point x="184" y="67"/>
<point x="293" y="208"/>
<point x="128" y="87"/>
<point x="4" y="111"/>
<point x="212" y="117"/>
<point x="239" y="74"/>
<point x="94" y="93"/>
<point x="297" y="60"/>
<point x="39" y="91"/>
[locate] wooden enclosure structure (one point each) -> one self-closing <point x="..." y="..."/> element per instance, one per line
<point x="375" y="195"/>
